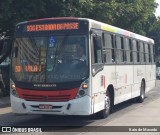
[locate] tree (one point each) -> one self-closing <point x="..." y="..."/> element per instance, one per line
<point x="155" y="34"/>
<point x="128" y="14"/>
<point x="133" y="15"/>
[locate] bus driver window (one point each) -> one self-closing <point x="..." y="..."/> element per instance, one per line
<point x="97" y="46"/>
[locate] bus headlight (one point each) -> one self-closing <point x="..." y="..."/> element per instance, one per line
<point x="13" y="86"/>
<point x="84" y="86"/>
<point x="13" y="89"/>
<point x="83" y="90"/>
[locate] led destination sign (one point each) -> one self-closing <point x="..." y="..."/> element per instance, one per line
<point x="28" y="68"/>
<point x="52" y="27"/>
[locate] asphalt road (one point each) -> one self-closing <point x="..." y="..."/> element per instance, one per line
<point x="9" y="119"/>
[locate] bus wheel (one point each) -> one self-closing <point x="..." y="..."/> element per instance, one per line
<point x="140" y="99"/>
<point x="107" y="107"/>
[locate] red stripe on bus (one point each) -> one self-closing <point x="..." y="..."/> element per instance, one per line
<point x="47" y="96"/>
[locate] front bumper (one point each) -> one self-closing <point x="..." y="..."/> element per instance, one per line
<point x="80" y="106"/>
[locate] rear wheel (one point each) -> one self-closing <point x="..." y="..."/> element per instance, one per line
<point x="107" y="107"/>
<point x="140" y="99"/>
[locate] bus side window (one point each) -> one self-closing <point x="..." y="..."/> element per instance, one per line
<point x="127" y="50"/>
<point x="134" y="51"/>
<point x="104" y="49"/>
<point x="123" y="51"/>
<point x="113" y="48"/>
<point x="119" y="49"/>
<point x="131" y="50"/>
<point x="149" y="51"/>
<point x="138" y="49"/>
<point x="97" y="46"/>
<point x="153" y="53"/>
<point x="146" y="52"/>
<point x="108" y="47"/>
<point x="141" y="52"/>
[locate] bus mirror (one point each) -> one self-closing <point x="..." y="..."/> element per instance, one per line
<point x="7" y="45"/>
<point x="1" y="46"/>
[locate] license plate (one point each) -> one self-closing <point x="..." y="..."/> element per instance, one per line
<point x="45" y="106"/>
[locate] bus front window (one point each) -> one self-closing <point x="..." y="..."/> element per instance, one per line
<point x="67" y="59"/>
<point x="50" y="59"/>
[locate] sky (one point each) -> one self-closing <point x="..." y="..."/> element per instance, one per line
<point x="158" y="9"/>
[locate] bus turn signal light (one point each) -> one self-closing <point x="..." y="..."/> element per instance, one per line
<point x="84" y="86"/>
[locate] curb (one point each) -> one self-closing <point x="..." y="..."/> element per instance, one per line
<point x="5" y="101"/>
<point x="5" y="105"/>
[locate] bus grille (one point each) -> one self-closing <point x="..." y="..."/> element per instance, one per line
<point x="42" y="98"/>
<point x="47" y="96"/>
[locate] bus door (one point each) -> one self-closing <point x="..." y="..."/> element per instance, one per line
<point x="97" y="75"/>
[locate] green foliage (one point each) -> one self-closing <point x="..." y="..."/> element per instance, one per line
<point x="154" y="33"/>
<point x="133" y="15"/>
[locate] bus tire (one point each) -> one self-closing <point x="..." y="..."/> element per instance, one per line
<point x="107" y="107"/>
<point x="140" y="99"/>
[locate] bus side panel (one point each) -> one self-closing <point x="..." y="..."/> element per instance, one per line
<point x="150" y="77"/>
<point x="100" y="83"/>
<point x="124" y="80"/>
<point x="139" y="74"/>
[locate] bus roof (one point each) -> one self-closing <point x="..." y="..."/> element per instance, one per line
<point x="103" y="26"/>
<point x="99" y="25"/>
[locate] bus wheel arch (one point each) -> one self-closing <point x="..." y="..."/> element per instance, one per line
<point x="110" y="89"/>
<point x="144" y="82"/>
<point x="109" y="102"/>
<point x="140" y="98"/>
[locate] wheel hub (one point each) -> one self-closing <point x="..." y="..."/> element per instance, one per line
<point x="107" y="104"/>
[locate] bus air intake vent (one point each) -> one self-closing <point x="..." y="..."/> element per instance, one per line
<point x="47" y="96"/>
<point x="43" y="98"/>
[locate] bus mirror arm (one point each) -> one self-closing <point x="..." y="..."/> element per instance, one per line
<point x="6" y="47"/>
<point x="93" y="33"/>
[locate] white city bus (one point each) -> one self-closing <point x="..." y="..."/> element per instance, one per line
<point x="78" y="66"/>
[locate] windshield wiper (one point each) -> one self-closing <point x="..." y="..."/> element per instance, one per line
<point x="59" y="48"/>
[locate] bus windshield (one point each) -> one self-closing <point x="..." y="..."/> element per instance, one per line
<point x="50" y="59"/>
